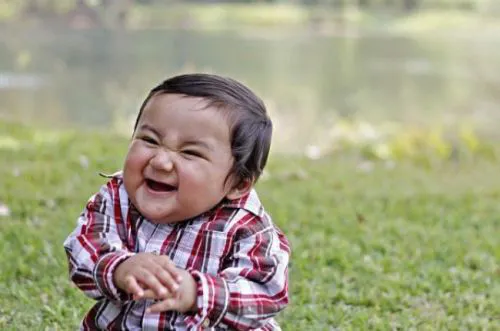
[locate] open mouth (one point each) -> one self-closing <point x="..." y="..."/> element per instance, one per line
<point x="159" y="187"/>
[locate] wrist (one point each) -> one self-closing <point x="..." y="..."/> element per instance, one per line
<point x="117" y="275"/>
<point x="191" y="292"/>
<point x="105" y="274"/>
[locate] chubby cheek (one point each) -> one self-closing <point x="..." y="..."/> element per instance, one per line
<point x="136" y="157"/>
<point x="133" y="166"/>
<point x="189" y="176"/>
<point x="201" y="180"/>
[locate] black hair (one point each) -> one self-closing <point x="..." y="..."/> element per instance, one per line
<point x="249" y="124"/>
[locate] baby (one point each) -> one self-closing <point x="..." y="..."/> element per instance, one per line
<point x="179" y="240"/>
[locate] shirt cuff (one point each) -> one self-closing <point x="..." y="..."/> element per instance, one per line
<point x="103" y="275"/>
<point x="212" y="300"/>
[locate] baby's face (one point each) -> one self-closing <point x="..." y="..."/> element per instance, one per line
<point x="178" y="160"/>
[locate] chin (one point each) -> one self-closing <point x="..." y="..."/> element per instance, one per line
<point x="163" y="221"/>
<point x="156" y="218"/>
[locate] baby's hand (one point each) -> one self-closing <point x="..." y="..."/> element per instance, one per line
<point x="183" y="301"/>
<point x="146" y="271"/>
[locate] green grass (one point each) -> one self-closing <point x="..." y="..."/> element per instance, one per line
<point x="402" y="248"/>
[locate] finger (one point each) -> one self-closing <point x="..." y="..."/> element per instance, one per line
<point x="167" y="280"/>
<point x="164" y="305"/>
<point x="133" y="287"/>
<point x="151" y="282"/>
<point x="143" y="287"/>
<point x="149" y="294"/>
<point x="169" y="266"/>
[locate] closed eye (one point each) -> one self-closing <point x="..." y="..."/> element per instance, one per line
<point x="149" y="140"/>
<point x="191" y="152"/>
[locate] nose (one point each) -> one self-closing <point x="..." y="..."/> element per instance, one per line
<point x="162" y="160"/>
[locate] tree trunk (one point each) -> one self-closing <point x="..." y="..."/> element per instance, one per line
<point x="410" y="5"/>
<point x="363" y="3"/>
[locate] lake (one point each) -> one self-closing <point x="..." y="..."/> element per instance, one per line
<point x="98" y="78"/>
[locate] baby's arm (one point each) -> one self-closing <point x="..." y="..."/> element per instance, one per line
<point x="253" y="285"/>
<point x="97" y="246"/>
<point x="102" y="262"/>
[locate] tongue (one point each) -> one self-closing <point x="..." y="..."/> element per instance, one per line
<point x="157" y="186"/>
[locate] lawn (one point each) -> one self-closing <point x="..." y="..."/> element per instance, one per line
<point x="402" y="247"/>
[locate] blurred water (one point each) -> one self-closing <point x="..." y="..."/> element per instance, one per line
<point x="98" y="78"/>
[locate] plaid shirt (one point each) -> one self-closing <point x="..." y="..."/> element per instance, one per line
<point x="238" y="258"/>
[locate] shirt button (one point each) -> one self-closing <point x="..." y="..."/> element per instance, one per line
<point x="206" y="323"/>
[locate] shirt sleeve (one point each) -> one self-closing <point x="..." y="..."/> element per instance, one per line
<point x="251" y="288"/>
<point x="97" y="246"/>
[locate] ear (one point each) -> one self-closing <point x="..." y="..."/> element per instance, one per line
<point x="240" y="190"/>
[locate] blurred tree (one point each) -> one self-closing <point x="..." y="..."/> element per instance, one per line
<point x="115" y="12"/>
<point x="410" y="5"/>
<point x="363" y="3"/>
<point x="83" y="16"/>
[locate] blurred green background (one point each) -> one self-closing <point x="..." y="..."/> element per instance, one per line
<point x="384" y="169"/>
<point x="90" y="63"/>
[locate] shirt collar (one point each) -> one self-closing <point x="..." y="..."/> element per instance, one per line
<point x="249" y="202"/>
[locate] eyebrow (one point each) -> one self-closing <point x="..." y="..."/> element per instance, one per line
<point x="189" y="142"/>
<point x="149" y="128"/>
